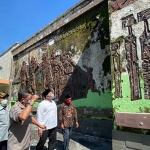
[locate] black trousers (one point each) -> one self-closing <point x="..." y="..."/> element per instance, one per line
<point x="51" y="134"/>
<point x="3" y="145"/>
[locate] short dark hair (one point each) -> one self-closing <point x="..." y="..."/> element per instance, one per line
<point x="7" y="95"/>
<point x="67" y="96"/>
<point x="46" y="92"/>
<point x="22" y="94"/>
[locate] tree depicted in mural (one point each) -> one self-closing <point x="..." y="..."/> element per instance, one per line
<point x="116" y="69"/>
<point x="145" y="51"/>
<point x="23" y="75"/>
<point x="132" y="58"/>
<point x="33" y="66"/>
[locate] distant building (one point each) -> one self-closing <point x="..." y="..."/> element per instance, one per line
<point x="5" y="68"/>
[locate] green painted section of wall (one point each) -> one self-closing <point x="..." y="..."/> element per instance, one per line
<point x="36" y="104"/>
<point x="94" y="100"/>
<point x="125" y="104"/>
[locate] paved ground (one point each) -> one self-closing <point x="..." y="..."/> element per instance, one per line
<point x="77" y="142"/>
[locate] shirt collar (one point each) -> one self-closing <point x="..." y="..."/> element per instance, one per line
<point x="48" y="100"/>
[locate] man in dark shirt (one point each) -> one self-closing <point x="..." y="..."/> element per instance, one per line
<point x="67" y="116"/>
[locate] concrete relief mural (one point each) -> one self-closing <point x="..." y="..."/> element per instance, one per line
<point x="59" y="72"/>
<point x="116" y="69"/>
<point x="119" y="4"/>
<point x="132" y="58"/>
<point x="72" y="61"/>
<point x="130" y="53"/>
<point x="145" y="51"/>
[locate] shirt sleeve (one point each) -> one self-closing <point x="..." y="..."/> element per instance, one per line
<point x="14" y="114"/>
<point x="40" y="114"/>
<point x="75" y="114"/>
<point x="61" y="114"/>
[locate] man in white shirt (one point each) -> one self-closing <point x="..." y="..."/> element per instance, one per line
<point x="47" y="115"/>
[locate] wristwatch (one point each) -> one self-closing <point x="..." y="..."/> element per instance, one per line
<point x="30" y="103"/>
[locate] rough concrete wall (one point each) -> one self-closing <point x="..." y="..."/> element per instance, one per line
<point x="75" y="60"/>
<point x="130" y="141"/>
<point x="84" y="44"/>
<point x="129" y="37"/>
<point x="129" y="54"/>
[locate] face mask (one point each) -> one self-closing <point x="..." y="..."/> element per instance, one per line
<point x="68" y="101"/>
<point x="53" y="96"/>
<point x="4" y="103"/>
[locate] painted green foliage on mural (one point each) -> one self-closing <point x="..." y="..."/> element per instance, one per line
<point x="125" y="104"/>
<point x="79" y="33"/>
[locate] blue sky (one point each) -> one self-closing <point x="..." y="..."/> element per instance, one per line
<point x="20" y="19"/>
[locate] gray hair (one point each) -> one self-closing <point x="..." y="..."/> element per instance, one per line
<point x="22" y="94"/>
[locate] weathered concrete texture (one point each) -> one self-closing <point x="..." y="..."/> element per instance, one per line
<point x="130" y="141"/>
<point x="77" y="142"/>
<point x="95" y="127"/>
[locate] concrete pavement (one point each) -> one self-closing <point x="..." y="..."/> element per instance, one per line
<point x="78" y="141"/>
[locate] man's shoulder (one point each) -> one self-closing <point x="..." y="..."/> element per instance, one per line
<point x="41" y="103"/>
<point x="62" y="105"/>
<point x="72" y="105"/>
<point x="16" y="105"/>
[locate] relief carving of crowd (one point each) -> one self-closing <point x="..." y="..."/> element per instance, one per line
<point x="119" y="4"/>
<point x="59" y="72"/>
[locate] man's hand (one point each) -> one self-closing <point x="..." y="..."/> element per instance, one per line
<point x="43" y="127"/>
<point x="62" y="126"/>
<point x="40" y="132"/>
<point x="34" y="98"/>
<point x="77" y="124"/>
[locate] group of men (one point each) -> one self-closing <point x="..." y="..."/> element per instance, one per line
<point x="15" y="134"/>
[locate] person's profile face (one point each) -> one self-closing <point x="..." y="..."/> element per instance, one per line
<point x="26" y="100"/>
<point x="49" y="96"/>
<point x="1" y="98"/>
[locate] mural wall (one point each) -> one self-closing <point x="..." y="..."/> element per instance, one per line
<point x="73" y="60"/>
<point x="130" y="55"/>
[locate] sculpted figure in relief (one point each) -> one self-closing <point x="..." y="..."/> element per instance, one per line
<point x="32" y="69"/>
<point x="23" y="75"/>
